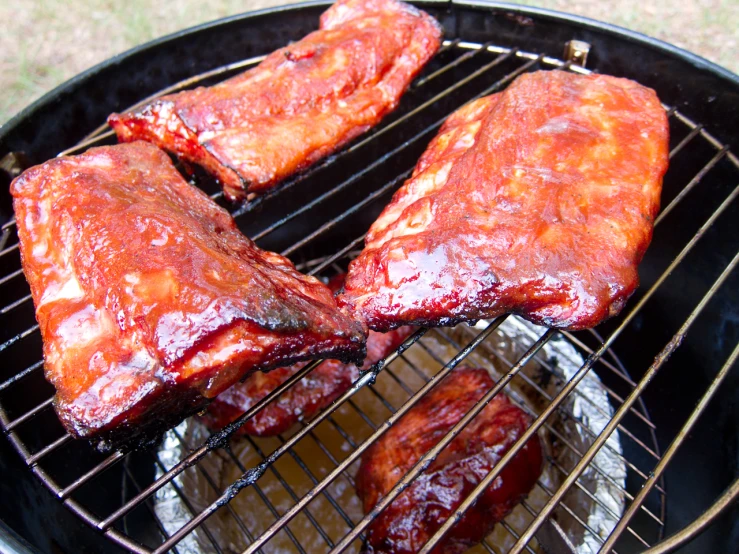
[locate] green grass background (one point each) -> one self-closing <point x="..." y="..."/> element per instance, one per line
<point x="45" y="42"/>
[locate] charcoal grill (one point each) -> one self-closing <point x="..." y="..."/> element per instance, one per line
<point x="666" y="361"/>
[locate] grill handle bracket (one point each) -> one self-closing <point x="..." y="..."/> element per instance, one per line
<point x="576" y="52"/>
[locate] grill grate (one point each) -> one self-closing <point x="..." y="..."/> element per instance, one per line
<point x="460" y="72"/>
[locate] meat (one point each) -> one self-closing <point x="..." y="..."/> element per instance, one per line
<point x="419" y="511"/>
<point x="304" y="399"/>
<point x="538" y="201"/>
<point x="300" y="104"/>
<point x="149" y="300"/>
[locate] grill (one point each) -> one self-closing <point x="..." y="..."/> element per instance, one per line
<point x="664" y="365"/>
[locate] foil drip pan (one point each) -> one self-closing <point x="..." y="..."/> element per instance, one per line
<point x="587" y="514"/>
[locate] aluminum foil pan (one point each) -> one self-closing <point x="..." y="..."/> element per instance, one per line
<point x="587" y="514"/>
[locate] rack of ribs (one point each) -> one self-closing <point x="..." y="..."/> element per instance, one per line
<point x="303" y="102"/>
<point x="419" y="511"/>
<point x="149" y="300"/>
<point x="538" y="201"/>
<point x="304" y="399"/>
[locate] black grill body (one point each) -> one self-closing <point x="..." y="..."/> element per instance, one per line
<point x="706" y="94"/>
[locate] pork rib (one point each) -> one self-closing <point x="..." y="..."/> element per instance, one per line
<point x="538" y="201"/>
<point x="149" y="300"/>
<point x="301" y="103"/>
<point x="304" y="399"/>
<point x="419" y="511"/>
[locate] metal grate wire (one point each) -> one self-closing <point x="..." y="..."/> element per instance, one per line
<point x="490" y="69"/>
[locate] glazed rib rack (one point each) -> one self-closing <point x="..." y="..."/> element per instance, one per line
<point x="318" y="219"/>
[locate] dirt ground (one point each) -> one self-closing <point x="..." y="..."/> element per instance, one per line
<point x="45" y="42"/>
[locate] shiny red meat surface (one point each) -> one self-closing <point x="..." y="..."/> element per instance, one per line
<point x="149" y="300"/>
<point x="307" y="397"/>
<point x="538" y="201"/>
<point x="301" y="103"/>
<point x="419" y="511"/>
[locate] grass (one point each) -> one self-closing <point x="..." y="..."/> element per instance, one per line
<point x="45" y="42"/>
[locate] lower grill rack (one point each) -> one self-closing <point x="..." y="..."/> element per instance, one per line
<point x="200" y="491"/>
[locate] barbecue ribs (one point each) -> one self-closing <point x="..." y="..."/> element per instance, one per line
<point x="304" y="399"/>
<point x="538" y="201"/>
<point x="300" y="104"/>
<point x="419" y="511"/>
<point x="149" y="300"/>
